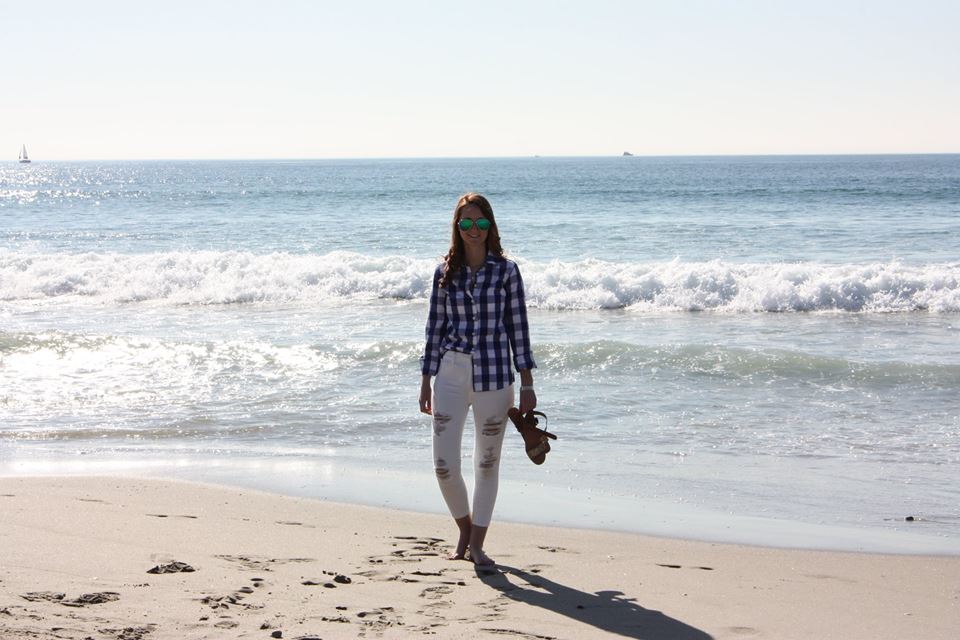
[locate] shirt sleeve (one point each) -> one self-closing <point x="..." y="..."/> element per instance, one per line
<point x="515" y="320"/>
<point x="436" y="326"/>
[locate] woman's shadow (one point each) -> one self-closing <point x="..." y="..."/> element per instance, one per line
<point x="610" y="611"/>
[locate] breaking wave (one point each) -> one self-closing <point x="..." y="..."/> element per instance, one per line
<point x="215" y="278"/>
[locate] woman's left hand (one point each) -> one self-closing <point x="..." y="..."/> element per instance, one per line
<point x="528" y="401"/>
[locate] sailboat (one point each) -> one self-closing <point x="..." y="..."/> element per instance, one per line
<point x="23" y="154"/>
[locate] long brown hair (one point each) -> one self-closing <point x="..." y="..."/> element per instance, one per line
<point x="454" y="258"/>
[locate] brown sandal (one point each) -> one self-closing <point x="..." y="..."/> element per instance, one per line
<point x="534" y="439"/>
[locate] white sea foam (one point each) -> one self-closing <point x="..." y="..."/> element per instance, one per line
<point x="154" y="364"/>
<point x="117" y="369"/>
<point x="210" y="277"/>
<point x="732" y="287"/>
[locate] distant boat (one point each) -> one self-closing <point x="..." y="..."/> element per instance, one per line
<point x="627" y="154"/>
<point x="23" y="154"/>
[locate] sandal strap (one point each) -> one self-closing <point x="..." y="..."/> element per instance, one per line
<point x="545" y="419"/>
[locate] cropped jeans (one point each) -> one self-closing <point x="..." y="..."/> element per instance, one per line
<point x="453" y="395"/>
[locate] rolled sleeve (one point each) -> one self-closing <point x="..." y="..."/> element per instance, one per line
<point x="515" y="320"/>
<point x="436" y="327"/>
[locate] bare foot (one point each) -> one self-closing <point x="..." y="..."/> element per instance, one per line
<point x="480" y="558"/>
<point x="460" y="553"/>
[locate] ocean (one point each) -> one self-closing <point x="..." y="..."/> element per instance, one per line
<point x="750" y="349"/>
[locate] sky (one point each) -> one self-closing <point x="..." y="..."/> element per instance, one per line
<point x="360" y="79"/>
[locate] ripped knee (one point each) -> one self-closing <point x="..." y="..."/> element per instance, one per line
<point x="493" y="427"/>
<point x="440" y="422"/>
<point x="488" y="461"/>
<point x="442" y="470"/>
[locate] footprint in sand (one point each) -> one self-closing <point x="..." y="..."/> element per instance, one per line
<point x="39" y="596"/>
<point x="257" y="563"/>
<point x="421" y="546"/>
<point x="495" y="608"/>
<point x="554" y="549"/>
<point x="341" y="619"/>
<point x="92" y="598"/>
<point x="130" y="633"/>
<point x="436" y="609"/>
<point x="228" y="601"/>
<point x="412" y="549"/>
<point x="377" y="620"/>
<point x="435" y="593"/>
<point x="59" y="598"/>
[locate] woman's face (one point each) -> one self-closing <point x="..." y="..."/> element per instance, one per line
<point x="473" y="236"/>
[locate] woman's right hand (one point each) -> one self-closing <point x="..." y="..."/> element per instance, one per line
<point x="425" y="394"/>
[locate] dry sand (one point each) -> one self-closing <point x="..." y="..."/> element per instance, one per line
<point x="74" y="556"/>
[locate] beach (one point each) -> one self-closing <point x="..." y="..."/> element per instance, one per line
<point x="761" y="350"/>
<point x="751" y="363"/>
<point x="718" y="243"/>
<point x="75" y="555"/>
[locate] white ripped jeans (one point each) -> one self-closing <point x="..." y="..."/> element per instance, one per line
<point x="453" y="395"/>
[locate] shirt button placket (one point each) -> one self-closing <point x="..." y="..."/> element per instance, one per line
<point x="476" y="371"/>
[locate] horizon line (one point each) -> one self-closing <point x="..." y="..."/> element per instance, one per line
<point x="499" y="157"/>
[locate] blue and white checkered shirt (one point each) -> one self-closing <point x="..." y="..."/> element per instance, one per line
<point x="482" y="314"/>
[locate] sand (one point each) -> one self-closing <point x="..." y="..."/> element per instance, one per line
<point x="75" y="555"/>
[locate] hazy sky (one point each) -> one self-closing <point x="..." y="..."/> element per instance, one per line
<point x="409" y="78"/>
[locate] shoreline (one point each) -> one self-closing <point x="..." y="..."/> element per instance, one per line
<point x="268" y="563"/>
<point x="340" y="481"/>
<point x="520" y="501"/>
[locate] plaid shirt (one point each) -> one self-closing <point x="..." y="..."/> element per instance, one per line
<point x="484" y="316"/>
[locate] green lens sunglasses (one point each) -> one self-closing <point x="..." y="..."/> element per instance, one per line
<point x="466" y="224"/>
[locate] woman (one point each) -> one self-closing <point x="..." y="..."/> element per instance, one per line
<point x="477" y="318"/>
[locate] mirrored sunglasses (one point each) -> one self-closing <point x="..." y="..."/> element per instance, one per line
<point x="466" y="224"/>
